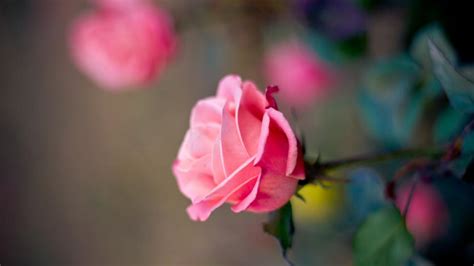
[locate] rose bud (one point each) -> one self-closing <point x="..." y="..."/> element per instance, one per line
<point x="121" y="49"/>
<point x="239" y="150"/>
<point x="427" y="216"/>
<point x="300" y="74"/>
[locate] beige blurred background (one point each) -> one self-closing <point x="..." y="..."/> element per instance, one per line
<point x="85" y="174"/>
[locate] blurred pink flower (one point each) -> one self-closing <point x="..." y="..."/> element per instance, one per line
<point x="300" y="74"/>
<point x="239" y="149"/>
<point x="427" y="216"/>
<point x="119" y="4"/>
<point x="120" y="49"/>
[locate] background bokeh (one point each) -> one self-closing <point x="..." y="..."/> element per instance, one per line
<point x="85" y="174"/>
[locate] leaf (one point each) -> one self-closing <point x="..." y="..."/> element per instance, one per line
<point x="419" y="48"/>
<point x="458" y="87"/>
<point x="460" y="165"/>
<point x="300" y="197"/>
<point x="468" y="142"/>
<point x="281" y="227"/>
<point x="383" y="239"/>
<point x="391" y="101"/>
<point x="448" y="125"/>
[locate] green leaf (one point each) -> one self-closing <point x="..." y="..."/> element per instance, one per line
<point x="383" y="240"/>
<point x="281" y="227"/>
<point x="458" y="87"/>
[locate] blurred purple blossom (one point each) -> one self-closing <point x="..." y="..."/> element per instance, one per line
<point x="338" y="19"/>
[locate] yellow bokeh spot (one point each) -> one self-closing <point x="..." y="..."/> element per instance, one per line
<point x="320" y="205"/>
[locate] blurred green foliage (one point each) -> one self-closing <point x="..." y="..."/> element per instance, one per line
<point x="383" y="239"/>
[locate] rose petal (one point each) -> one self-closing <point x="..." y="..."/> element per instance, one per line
<point x="250" y="110"/>
<point x="200" y="140"/>
<point x="273" y="192"/>
<point x="245" y="202"/>
<point x="278" y="148"/>
<point x="202" y="208"/>
<point x="183" y="153"/>
<point x="194" y="177"/>
<point x="207" y="111"/>
<point x="230" y="88"/>
<point x="240" y="176"/>
<point x="218" y="163"/>
<point x="233" y="150"/>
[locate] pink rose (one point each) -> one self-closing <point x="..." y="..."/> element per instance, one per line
<point x="427" y="215"/>
<point x="300" y="74"/>
<point x="239" y="149"/>
<point x="123" y="48"/>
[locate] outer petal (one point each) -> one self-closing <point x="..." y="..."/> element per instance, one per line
<point x="278" y="148"/>
<point x="198" y="141"/>
<point x="233" y="150"/>
<point x="299" y="171"/>
<point x="202" y="208"/>
<point x="218" y="163"/>
<point x="249" y="113"/>
<point x="207" y="111"/>
<point x="241" y="176"/>
<point x="230" y="88"/>
<point x="273" y="192"/>
<point x="249" y="198"/>
<point x="194" y="177"/>
<point x="183" y="153"/>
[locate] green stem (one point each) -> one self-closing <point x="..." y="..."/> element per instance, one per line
<point x="379" y="158"/>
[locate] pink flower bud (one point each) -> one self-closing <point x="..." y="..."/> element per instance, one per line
<point x="119" y="4"/>
<point x="301" y="76"/>
<point x="120" y="49"/>
<point x="427" y="216"/>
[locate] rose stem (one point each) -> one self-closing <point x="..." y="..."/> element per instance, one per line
<point x="379" y="158"/>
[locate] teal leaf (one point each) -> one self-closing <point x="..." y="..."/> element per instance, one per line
<point x="419" y="49"/>
<point x="448" y="125"/>
<point x="468" y="141"/>
<point x="390" y="100"/>
<point x="459" y="166"/>
<point x="383" y="239"/>
<point x="281" y="226"/>
<point x="458" y="87"/>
